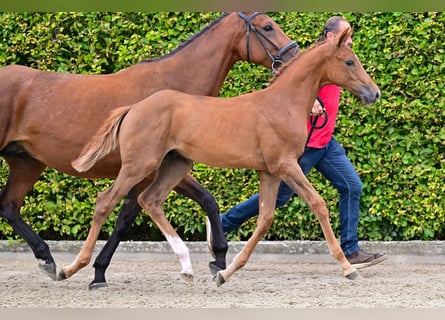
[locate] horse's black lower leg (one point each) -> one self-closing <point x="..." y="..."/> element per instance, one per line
<point x="127" y="216"/>
<point x="24" y="171"/>
<point x="190" y="188"/>
<point x="36" y="243"/>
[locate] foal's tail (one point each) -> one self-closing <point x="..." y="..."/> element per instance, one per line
<point x="104" y="142"/>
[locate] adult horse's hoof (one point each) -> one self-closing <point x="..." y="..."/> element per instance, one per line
<point x="97" y="285"/>
<point x="353" y="275"/>
<point x="187" y="277"/>
<point x="220" y="279"/>
<point x="61" y="275"/>
<point x="214" y="268"/>
<point x="49" y="269"/>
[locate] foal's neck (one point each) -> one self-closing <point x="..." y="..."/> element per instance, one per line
<point x="301" y="80"/>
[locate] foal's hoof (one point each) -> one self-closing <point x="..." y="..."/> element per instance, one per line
<point x="220" y="279"/>
<point x="187" y="277"/>
<point x="61" y="275"/>
<point x="49" y="269"/>
<point x="97" y="285"/>
<point x="214" y="268"/>
<point x="353" y="275"/>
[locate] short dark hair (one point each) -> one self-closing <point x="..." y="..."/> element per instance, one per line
<point x="331" y="26"/>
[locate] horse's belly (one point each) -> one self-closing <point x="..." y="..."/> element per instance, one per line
<point x="217" y="157"/>
<point x="60" y="159"/>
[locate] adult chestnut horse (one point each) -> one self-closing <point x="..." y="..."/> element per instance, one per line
<point x="47" y="117"/>
<point x="264" y="130"/>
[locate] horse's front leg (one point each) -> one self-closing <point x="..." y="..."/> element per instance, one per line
<point x="102" y="211"/>
<point x="172" y="170"/>
<point x="190" y="187"/>
<point x="127" y="215"/>
<point x="268" y="196"/>
<point x="296" y="180"/>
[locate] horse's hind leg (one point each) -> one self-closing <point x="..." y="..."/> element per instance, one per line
<point x="127" y="215"/>
<point x="24" y="171"/>
<point x="188" y="187"/>
<point x="172" y="170"/>
<point x="191" y="188"/>
<point x="128" y="177"/>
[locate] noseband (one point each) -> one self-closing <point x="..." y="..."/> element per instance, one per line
<point x="276" y="59"/>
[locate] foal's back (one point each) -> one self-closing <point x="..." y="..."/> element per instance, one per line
<point x="221" y="132"/>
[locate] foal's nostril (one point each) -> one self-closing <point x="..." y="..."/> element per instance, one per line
<point x="377" y="95"/>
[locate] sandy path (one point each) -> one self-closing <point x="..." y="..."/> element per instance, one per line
<point x="146" y="280"/>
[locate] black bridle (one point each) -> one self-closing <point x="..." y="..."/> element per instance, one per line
<point x="276" y="59"/>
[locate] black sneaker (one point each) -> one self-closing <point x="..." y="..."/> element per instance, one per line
<point x="363" y="259"/>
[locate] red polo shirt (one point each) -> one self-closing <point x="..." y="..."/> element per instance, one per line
<point x="330" y="95"/>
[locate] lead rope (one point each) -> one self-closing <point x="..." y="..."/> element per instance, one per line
<point x="313" y="121"/>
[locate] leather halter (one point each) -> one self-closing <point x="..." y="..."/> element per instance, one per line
<point x="276" y="59"/>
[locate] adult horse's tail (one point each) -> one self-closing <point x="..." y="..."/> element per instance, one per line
<point x="103" y="142"/>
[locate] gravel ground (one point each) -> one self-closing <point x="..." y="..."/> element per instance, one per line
<point x="139" y="279"/>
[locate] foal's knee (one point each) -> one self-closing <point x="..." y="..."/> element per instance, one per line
<point x="102" y="209"/>
<point x="100" y="215"/>
<point x="264" y="223"/>
<point x="318" y="207"/>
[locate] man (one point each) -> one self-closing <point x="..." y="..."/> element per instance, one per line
<point x="324" y="153"/>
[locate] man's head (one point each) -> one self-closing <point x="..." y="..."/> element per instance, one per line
<point x="334" y="27"/>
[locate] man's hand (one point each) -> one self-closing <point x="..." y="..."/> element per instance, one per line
<point x="317" y="109"/>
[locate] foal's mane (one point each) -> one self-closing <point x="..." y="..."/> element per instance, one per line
<point x="285" y="66"/>
<point x="183" y="44"/>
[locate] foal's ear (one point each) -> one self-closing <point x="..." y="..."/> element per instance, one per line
<point x="344" y="36"/>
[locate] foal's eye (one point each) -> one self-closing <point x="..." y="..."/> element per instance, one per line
<point x="349" y="63"/>
<point x="267" y="27"/>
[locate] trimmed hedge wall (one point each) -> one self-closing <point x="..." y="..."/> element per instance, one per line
<point x="396" y="145"/>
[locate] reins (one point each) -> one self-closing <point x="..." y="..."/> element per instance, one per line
<point x="313" y="121"/>
<point x="276" y="60"/>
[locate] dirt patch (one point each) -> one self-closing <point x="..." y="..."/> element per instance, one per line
<point x="152" y="280"/>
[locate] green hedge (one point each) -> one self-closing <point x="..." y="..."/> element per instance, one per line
<point x="396" y="145"/>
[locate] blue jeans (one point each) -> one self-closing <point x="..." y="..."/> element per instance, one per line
<point x="332" y="162"/>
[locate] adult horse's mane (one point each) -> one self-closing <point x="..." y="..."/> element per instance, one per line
<point x="285" y="66"/>
<point x="188" y="41"/>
